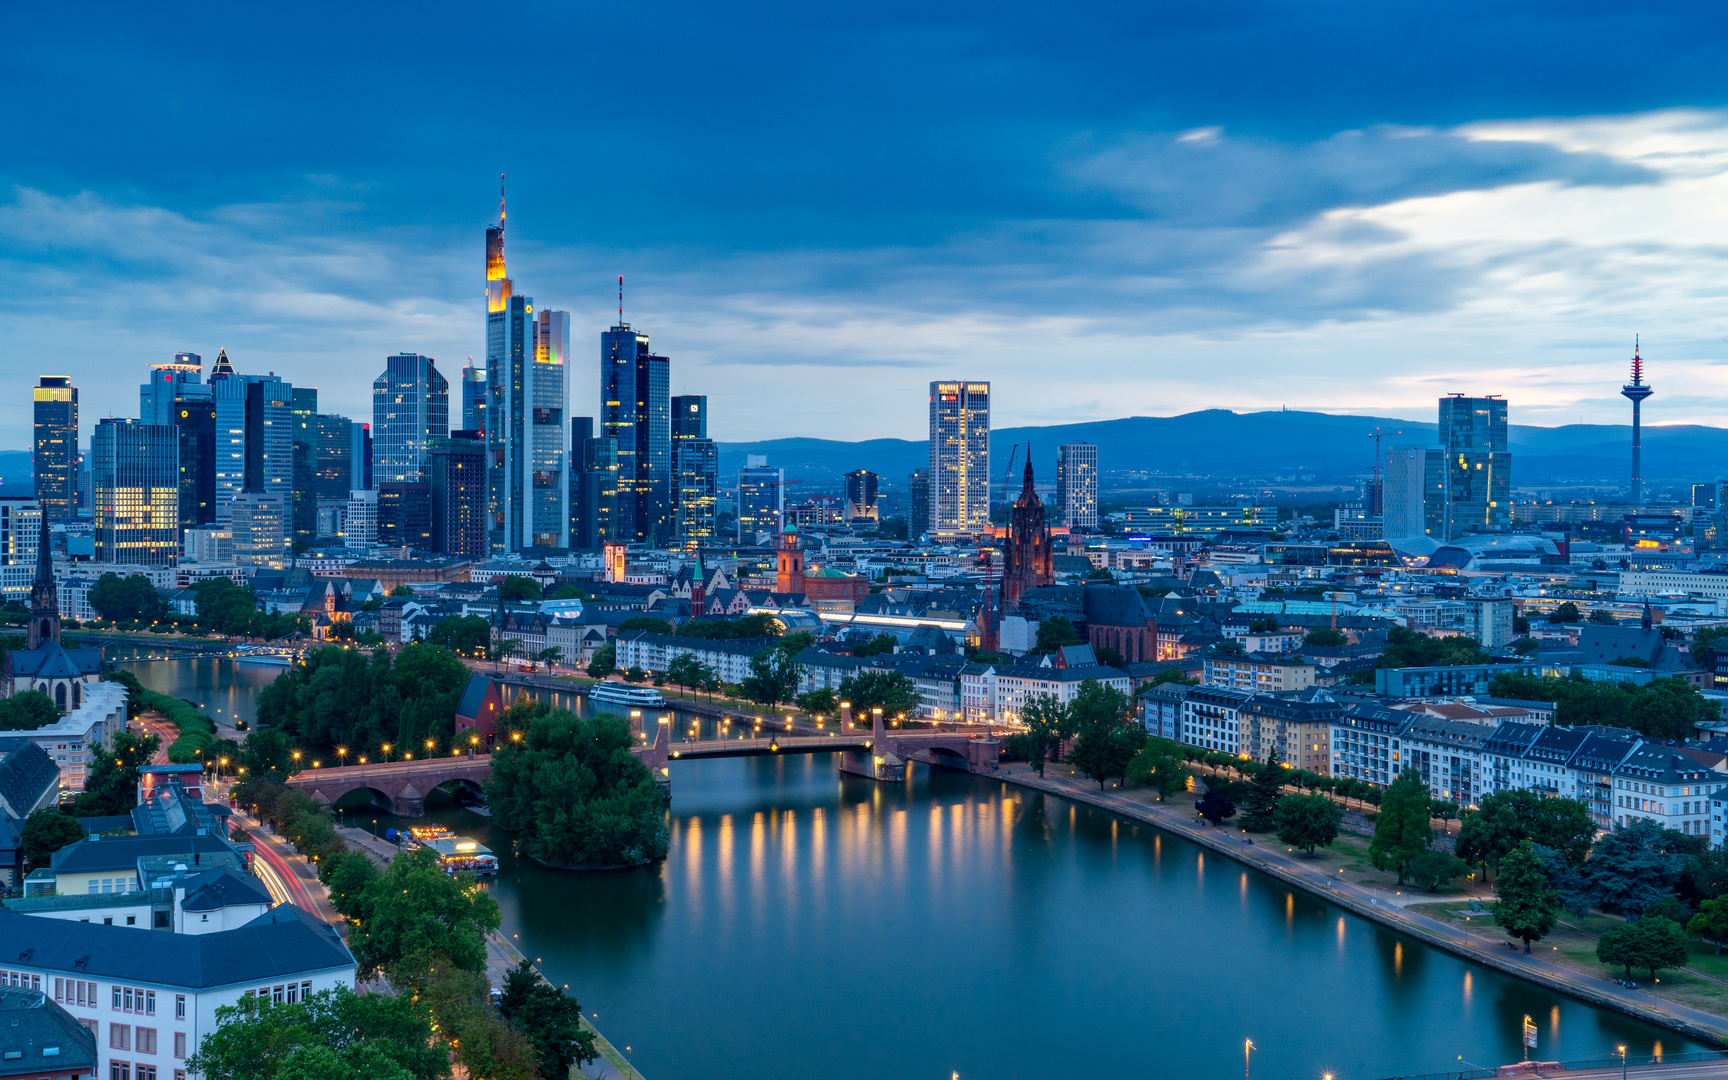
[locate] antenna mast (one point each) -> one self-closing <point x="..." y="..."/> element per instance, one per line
<point x="620" y="299"/>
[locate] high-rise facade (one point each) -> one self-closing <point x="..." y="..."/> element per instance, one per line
<point x="20" y="538"/>
<point x="918" y="503"/>
<point x="761" y="500"/>
<point x="254" y="445"/>
<point x="54" y="458"/>
<point x="258" y="520"/>
<point x="861" y="485"/>
<point x="1478" y="465"/>
<point x="457" y="475"/>
<point x="1077" y="486"/>
<point x="194" y="421"/>
<point x="695" y="471"/>
<point x="1413" y="499"/>
<point x="169" y="384"/>
<point x="405" y="514"/>
<point x="335" y="463"/>
<point x="473" y="398"/>
<point x="136" y="505"/>
<point x="594" y="487"/>
<point x="959" y="458"/>
<point x="410" y="408"/>
<point x="635" y="410"/>
<point x="303" y="513"/>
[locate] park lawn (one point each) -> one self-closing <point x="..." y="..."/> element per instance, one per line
<point x="1702" y="984"/>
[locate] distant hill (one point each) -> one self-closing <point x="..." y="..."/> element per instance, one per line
<point x="1223" y="444"/>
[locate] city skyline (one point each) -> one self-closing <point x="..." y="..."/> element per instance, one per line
<point x="1479" y="230"/>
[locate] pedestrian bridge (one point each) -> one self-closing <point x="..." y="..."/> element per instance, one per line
<point x="880" y="753"/>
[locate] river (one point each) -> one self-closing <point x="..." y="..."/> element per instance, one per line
<point x="812" y="924"/>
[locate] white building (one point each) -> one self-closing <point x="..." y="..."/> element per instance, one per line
<point x="94" y="722"/>
<point x="1077" y="486"/>
<point x="259" y="522"/>
<point x="212" y="545"/>
<point x="1000" y="693"/>
<point x="959" y="458"/>
<point x="20" y="535"/>
<point x="654" y="653"/>
<point x="1211" y="718"/>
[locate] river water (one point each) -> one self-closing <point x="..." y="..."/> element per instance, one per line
<point x="808" y="923"/>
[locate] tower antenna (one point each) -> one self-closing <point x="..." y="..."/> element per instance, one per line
<point x="1636" y="391"/>
<point x="620" y="299"/>
<point x="500" y="200"/>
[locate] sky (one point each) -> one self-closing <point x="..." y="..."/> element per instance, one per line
<point x="1107" y="209"/>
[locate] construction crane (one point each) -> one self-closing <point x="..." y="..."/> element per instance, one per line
<point x="1376" y="498"/>
<point x="1008" y="481"/>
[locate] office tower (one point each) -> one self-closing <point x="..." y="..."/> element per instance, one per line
<point x="761" y="500"/>
<point x="635" y="410"/>
<point x="254" y="435"/>
<point x="303" y="516"/>
<point x="55" y="457"/>
<point x="918" y="503"/>
<point x="410" y="408"/>
<point x="258" y="521"/>
<point x="1077" y="486"/>
<point x="1636" y="391"/>
<point x="405" y="514"/>
<point x="594" y="495"/>
<point x="207" y="546"/>
<point x="360" y="524"/>
<point x="168" y="385"/>
<point x="861" y="495"/>
<point x="135" y="469"/>
<point x="959" y="458"/>
<point x="695" y="471"/>
<point x="457" y="476"/>
<point x="473" y="398"/>
<point x="1703" y="497"/>
<point x="363" y="457"/>
<point x="335" y="460"/>
<point x="1478" y="465"/>
<point x="20" y="538"/>
<point x="1413" y="493"/>
<point x="194" y="421"/>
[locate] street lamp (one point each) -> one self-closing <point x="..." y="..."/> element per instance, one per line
<point x="342" y="752"/>
<point x="386" y="751"/>
<point x="1247" y="1045"/>
<point x="1622" y="1049"/>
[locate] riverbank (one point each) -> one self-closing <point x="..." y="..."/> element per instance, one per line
<point x="1177" y="819"/>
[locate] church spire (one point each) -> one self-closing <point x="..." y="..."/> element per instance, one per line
<point x="44" y="625"/>
<point x="45" y="556"/>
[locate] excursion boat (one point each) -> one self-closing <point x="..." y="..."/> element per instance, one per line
<point x="455" y="853"/>
<point x="640" y="697"/>
<point x="259" y="655"/>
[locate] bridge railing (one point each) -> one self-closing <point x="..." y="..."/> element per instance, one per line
<point x="1637" y="1061"/>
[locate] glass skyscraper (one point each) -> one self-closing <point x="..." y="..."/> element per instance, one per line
<point x="473" y="398"/>
<point x="1478" y="465"/>
<point x="55" y="457"/>
<point x="761" y="500"/>
<point x="635" y="410"/>
<point x="134" y="468"/>
<point x="410" y="408"/>
<point x="1077" y="486"/>
<point x="959" y="458"/>
<point x="694" y="472"/>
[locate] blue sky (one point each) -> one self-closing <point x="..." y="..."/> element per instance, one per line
<point x="1107" y="209"/>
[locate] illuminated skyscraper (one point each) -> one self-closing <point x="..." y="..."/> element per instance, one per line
<point x="594" y="493"/>
<point x="473" y="398"/>
<point x="169" y="384"/>
<point x="635" y="409"/>
<point x="695" y="472"/>
<point x="1077" y="486"/>
<point x="136" y="506"/>
<point x="861" y="487"/>
<point x="761" y="500"/>
<point x="410" y="408"/>
<point x="959" y="458"/>
<point x="1478" y="465"/>
<point x="528" y="480"/>
<point x="55" y="457"/>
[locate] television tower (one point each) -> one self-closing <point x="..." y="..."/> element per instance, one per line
<point x="1637" y="390"/>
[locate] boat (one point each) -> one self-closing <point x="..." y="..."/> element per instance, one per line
<point x="455" y="853"/>
<point x="640" y="697"/>
<point x="258" y="655"/>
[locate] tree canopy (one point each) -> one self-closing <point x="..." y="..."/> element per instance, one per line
<point x="893" y="692"/>
<point x="27" y="711"/>
<point x="226" y="608"/>
<point x="645" y="622"/>
<point x="1325" y="636"/>
<point x="773" y="678"/>
<point x="746" y="626"/>
<point x="1506" y="819"/>
<point x="1308" y="821"/>
<point x="1528" y="906"/>
<point x="1664" y="708"/>
<point x="1409" y="648"/>
<point x="1402" y="828"/>
<point x="127" y="599"/>
<point x="413" y="913"/>
<point x="343" y="698"/>
<point x="333" y="1035"/>
<point x="111" y="782"/>
<point x="1055" y="632"/>
<point x="517" y="587"/>
<point x="46" y="831"/>
<point x="461" y="634"/>
<point x="549" y="1018"/>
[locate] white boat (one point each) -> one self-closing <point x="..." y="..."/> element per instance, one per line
<point x="640" y="697"/>
<point x="273" y="659"/>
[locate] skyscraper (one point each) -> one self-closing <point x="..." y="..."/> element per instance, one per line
<point x="303" y="514"/>
<point x="410" y="408"/>
<point x="1413" y="500"/>
<point x="695" y="471"/>
<point x="405" y="514"/>
<point x="168" y="385"/>
<point x="1077" y="486"/>
<point x="20" y="538"/>
<point x="195" y="422"/>
<point x="959" y="458"/>
<point x="527" y="384"/>
<point x="918" y="503"/>
<point x="54" y="460"/>
<point x="635" y="410"/>
<point x="1478" y="465"/>
<point x="136" y="508"/>
<point x="861" y="487"/>
<point x="473" y="398"/>
<point x="335" y="463"/>
<point x="1636" y="391"/>
<point x="594" y="491"/>
<point x="761" y="500"/>
<point x="254" y="448"/>
<point x="457" y="475"/>
<point x="257" y="519"/>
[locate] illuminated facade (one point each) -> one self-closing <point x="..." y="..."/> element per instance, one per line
<point x="259" y="521"/>
<point x="1478" y="471"/>
<point x="410" y="408"/>
<point x="195" y="422"/>
<point x="473" y="398"/>
<point x="959" y="458"/>
<point x="594" y="490"/>
<point x="135" y="482"/>
<point x="458" y="477"/>
<point x="861" y="487"/>
<point x="695" y="471"/>
<point x="1077" y="486"/>
<point x="254" y="444"/>
<point x="761" y="500"/>
<point x="20" y="528"/>
<point x="55" y="457"/>
<point x="168" y="385"/>
<point x="635" y="407"/>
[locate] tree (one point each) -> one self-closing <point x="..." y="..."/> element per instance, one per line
<point x="333" y="1035"/>
<point x="1215" y="806"/>
<point x="1402" y="828"/>
<point x="1705" y="876"/>
<point x="575" y="794"/>
<point x="880" y="645"/>
<point x="267" y="755"/>
<point x="746" y="626"/>
<point x="1308" y="821"/>
<point x="1444" y="809"/>
<point x="819" y="702"/>
<point x="1161" y="765"/>
<point x="1566" y="613"/>
<point x="1265" y="624"/>
<point x="1528" y="906"/>
<point x="1096" y="704"/>
<point x="1633" y="866"/>
<point x="127" y="599"/>
<point x="1103" y="753"/>
<point x="1056" y="632"/>
<point x="518" y="587"/>
<point x="1711" y="922"/>
<point x="414" y="912"/>
<point x="1701" y="641"/>
<point x="467" y="634"/>
<point x="1411" y="648"/>
<point x="351" y="874"/>
<point x="1109" y="657"/>
<point x="1432" y="869"/>
<point x="1507" y="818"/>
<point x="111" y="785"/>
<point x="551" y="1020"/>
<point x="773" y="678"/>
<point x="645" y="622"/>
<point x="1652" y="943"/>
<point x="603" y="662"/>
<point x="635" y="673"/>
<point x="1260" y="808"/>
<point x="1046" y="720"/>
<point x="46" y="831"/>
<point x="484" y="1043"/>
<point x="684" y="670"/>
<point x="1171" y="675"/>
<point x="550" y="655"/>
<point x="1603" y="617"/>
<point x="1325" y="636"/>
<point x="893" y="692"/>
<point x="28" y="711"/>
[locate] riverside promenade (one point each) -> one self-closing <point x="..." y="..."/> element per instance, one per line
<point x="1177" y="818"/>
